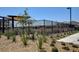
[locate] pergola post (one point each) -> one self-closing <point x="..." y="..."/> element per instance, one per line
<point x="13" y="23"/>
<point x="3" y="29"/>
<point x="12" y="18"/>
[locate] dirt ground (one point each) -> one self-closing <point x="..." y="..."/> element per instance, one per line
<point x="9" y="46"/>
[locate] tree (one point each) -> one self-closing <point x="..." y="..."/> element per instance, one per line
<point x="24" y="22"/>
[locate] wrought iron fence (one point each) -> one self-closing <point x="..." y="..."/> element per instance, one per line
<point x="42" y="26"/>
<point x="48" y="27"/>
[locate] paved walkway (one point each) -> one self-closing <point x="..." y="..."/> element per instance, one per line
<point x="71" y="39"/>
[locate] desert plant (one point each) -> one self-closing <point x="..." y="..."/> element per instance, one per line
<point x="66" y="48"/>
<point x="62" y="43"/>
<point x="24" y="39"/>
<point x="44" y="38"/>
<point x="58" y="35"/>
<point x="53" y="41"/>
<point x="70" y="43"/>
<point x="52" y="44"/>
<point x="0" y="34"/>
<point x="39" y="42"/>
<point x="42" y="50"/>
<point x="65" y="33"/>
<point x="24" y="21"/>
<point x="8" y="34"/>
<point x="54" y="49"/>
<point x="73" y="51"/>
<point x="14" y="38"/>
<point x="33" y="37"/>
<point x="70" y="33"/>
<point x="13" y="35"/>
<point x="75" y="46"/>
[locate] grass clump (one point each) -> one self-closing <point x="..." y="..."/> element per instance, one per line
<point x="0" y="34"/>
<point x="62" y="43"/>
<point x="44" y="38"/>
<point x="54" y="49"/>
<point x="14" y="38"/>
<point x="7" y="34"/>
<point x="39" y="42"/>
<point x="75" y="46"/>
<point x="52" y="44"/>
<point x="42" y="50"/>
<point x="53" y="41"/>
<point x="13" y="35"/>
<point x="33" y="37"/>
<point x="70" y="43"/>
<point x="24" y="39"/>
<point x="66" y="48"/>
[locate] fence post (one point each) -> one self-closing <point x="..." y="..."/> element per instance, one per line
<point x="44" y="26"/>
<point x="28" y="27"/>
<point x="58" y="27"/>
<point x="52" y="26"/>
<point x="8" y="25"/>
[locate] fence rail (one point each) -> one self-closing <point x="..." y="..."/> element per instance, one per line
<point x="42" y="26"/>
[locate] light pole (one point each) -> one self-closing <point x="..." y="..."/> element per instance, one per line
<point x="70" y="15"/>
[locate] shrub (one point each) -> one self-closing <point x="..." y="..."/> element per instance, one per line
<point x="73" y="51"/>
<point x="39" y="42"/>
<point x="70" y="33"/>
<point x="53" y="41"/>
<point x="54" y="49"/>
<point x="62" y="43"/>
<point x="0" y="34"/>
<point x="42" y="50"/>
<point x="44" y="38"/>
<point x="14" y="38"/>
<point x="8" y="34"/>
<point x="75" y="46"/>
<point x="13" y="35"/>
<point x="58" y="35"/>
<point x="51" y="37"/>
<point x="52" y="44"/>
<point x="24" y="39"/>
<point x="65" y="48"/>
<point x="71" y="43"/>
<point x="33" y="37"/>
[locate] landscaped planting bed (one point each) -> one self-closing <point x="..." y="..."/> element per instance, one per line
<point x="35" y="42"/>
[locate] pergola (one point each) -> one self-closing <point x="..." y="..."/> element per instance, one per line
<point x="11" y="18"/>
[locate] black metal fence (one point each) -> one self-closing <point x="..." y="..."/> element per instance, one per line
<point x="48" y="27"/>
<point x="41" y="26"/>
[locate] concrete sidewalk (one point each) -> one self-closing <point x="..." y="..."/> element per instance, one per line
<point x="71" y="39"/>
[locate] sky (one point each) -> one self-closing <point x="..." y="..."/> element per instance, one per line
<point x="40" y="13"/>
